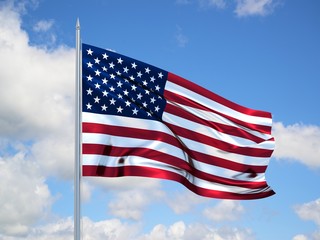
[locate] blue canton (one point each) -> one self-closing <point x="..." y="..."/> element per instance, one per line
<point x="118" y="85"/>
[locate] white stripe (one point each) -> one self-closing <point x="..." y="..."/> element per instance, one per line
<point x="97" y="160"/>
<point x="212" y="133"/>
<point x="172" y="87"/>
<point x="122" y="121"/>
<point x="97" y="138"/>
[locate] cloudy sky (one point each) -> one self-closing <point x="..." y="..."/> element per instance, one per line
<point x="263" y="54"/>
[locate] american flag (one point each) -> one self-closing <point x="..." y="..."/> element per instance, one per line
<point x="140" y="120"/>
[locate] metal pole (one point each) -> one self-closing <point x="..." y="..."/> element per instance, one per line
<point x="77" y="138"/>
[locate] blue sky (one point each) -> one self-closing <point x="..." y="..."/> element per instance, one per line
<point x="263" y="54"/>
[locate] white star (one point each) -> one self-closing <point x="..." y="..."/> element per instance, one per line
<point x="125" y="92"/>
<point x="147" y="70"/>
<point x="105" y="56"/>
<point x="157" y="108"/>
<point x="147" y="91"/>
<point x="144" y="104"/>
<point x="89" y="51"/>
<point x="128" y="103"/>
<point x="118" y="73"/>
<point x="160" y="75"/>
<point x="97" y="60"/>
<point x="105" y="93"/>
<point x="125" y="69"/>
<point x="133" y="87"/>
<point x="134" y="111"/>
<point x="119" y="109"/>
<point x="134" y="65"/>
<point x="104" y="107"/>
<point x="139" y="74"/>
<point x="112" y="76"/>
<point x="144" y="83"/>
<point x="152" y="100"/>
<point x="119" y="84"/>
<point x="111" y="65"/>
<point x="104" y="81"/>
<point x="96" y="99"/>
<point x="89" y="78"/>
<point x="157" y="88"/>
<point x="104" y="69"/>
<point x="112" y="101"/>
<point x="152" y="79"/>
<point x="131" y="78"/>
<point x="89" y="106"/>
<point x="97" y="72"/>
<point x="89" y="65"/>
<point x="139" y="96"/>
<point x="89" y="91"/>
<point x="97" y="85"/>
<point x="120" y="60"/>
<point x="119" y="96"/>
<point x="112" y="89"/>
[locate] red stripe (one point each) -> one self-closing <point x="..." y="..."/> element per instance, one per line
<point x="208" y="94"/>
<point x="160" y="136"/>
<point x="163" y="174"/>
<point x="121" y="152"/>
<point x="230" y="130"/>
<point x="188" y="102"/>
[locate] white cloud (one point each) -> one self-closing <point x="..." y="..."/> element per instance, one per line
<point x="36" y="122"/>
<point x="225" y="210"/>
<point x="129" y="195"/>
<point x="181" y="231"/>
<point x="316" y="235"/>
<point x="114" y="229"/>
<point x="62" y="229"/>
<point x="37" y="89"/>
<point x="20" y="6"/>
<point x="298" y="142"/>
<point x="131" y="204"/>
<point x="43" y="25"/>
<point x="25" y="197"/>
<point x="86" y="190"/>
<point x="183" y="2"/>
<point x="183" y="202"/>
<point x="254" y="7"/>
<point x="212" y="3"/>
<point x="55" y="154"/>
<point x="309" y="212"/>
<point x="300" y="237"/>
<point x="204" y="3"/>
<point x="181" y="39"/>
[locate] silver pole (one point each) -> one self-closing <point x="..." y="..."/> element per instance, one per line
<point x="77" y="140"/>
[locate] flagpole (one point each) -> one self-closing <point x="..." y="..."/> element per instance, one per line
<point x="77" y="140"/>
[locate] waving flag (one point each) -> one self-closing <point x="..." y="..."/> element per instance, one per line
<point x="140" y="120"/>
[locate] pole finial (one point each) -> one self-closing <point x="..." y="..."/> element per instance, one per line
<point x="78" y="24"/>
